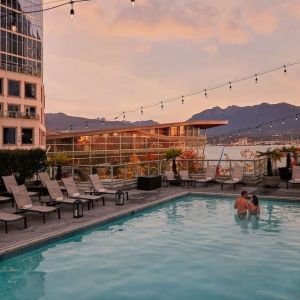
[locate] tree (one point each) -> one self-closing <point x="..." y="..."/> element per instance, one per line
<point x="59" y="160"/>
<point x="272" y="157"/>
<point x="172" y="154"/>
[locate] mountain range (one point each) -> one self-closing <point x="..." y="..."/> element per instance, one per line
<point x="273" y="119"/>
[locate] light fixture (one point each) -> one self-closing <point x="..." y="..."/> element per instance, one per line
<point x="271" y="125"/>
<point x="72" y="11"/>
<point x="102" y="121"/>
<point x="161" y="105"/>
<point x="132" y="2"/>
<point x="230" y="86"/>
<point x="249" y="130"/>
<point x="296" y="118"/>
<point x="256" y="79"/>
<point x="283" y="121"/>
<point x="142" y="111"/>
<point x="14" y="22"/>
<point x="124" y="115"/>
<point x="284" y="69"/>
<point x="86" y="125"/>
<point x="230" y="136"/>
<point x="239" y="133"/>
<point x="182" y="99"/>
<point x="71" y="127"/>
<point x="205" y="93"/>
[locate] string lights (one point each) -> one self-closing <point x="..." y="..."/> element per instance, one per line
<point x="183" y="97"/>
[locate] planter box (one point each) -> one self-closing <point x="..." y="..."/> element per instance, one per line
<point x="271" y="181"/>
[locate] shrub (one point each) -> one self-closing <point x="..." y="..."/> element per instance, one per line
<point x="22" y="163"/>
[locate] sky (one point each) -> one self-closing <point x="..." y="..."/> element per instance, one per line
<point x="114" y="57"/>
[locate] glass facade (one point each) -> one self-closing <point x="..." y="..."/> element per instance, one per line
<point x="119" y="146"/>
<point x="21" y="37"/>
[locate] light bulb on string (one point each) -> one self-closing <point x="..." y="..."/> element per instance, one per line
<point x="56" y="130"/>
<point x="132" y="2"/>
<point x="296" y="118"/>
<point x="239" y="133"/>
<point x="86" y="125"/>
<point x="124" y="116"/>
<point x="283" y="121"/>
<point x="284" y="69"/>
<point x="249" y="130"/>
<point x="161" y="105"/>
<point x="71" y="127"/>
<point x="230" y="86"/>
<point x="14" y="22"/>
<point x="72" y="12"/>
<point x="102" y="121"/>
<point x="259" y="127"/>
<point x="256" y="79"/>
<point x="182" y="99"/>
<point x="142" y="111"/>
<point x="230" y="136"/>
<point x="271" y="124"/>
<point x="205" y="93"/>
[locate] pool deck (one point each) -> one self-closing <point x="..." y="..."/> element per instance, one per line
<point x="19" y="238"/>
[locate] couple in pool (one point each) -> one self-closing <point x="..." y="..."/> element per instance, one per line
<point x="244" y="207"/>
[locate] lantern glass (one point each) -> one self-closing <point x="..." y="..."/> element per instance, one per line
<point x="78" y="209"/>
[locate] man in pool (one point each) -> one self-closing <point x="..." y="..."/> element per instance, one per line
<point x="241" y="205"/>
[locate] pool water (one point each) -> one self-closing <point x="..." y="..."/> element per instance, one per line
<point x="191" y="248"/>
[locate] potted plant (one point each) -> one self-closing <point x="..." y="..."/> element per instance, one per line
<point x="271" y="179"/>
<point x="172" y="154"/>
<point x="59" y="160"/>
<point x="286" y="172"/>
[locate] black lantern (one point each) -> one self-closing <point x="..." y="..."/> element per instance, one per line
<point x="120" y="198"/>
<point x="77" y="208"/>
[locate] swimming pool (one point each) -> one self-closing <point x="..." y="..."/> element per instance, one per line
<point x="191" y="248"/>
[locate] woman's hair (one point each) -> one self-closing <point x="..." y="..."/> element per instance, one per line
<point x="255" y="200"/>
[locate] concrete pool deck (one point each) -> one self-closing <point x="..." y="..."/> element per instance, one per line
<point x="19" y="238"/>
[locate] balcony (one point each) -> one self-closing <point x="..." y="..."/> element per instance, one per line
<point x="19" y="115"/>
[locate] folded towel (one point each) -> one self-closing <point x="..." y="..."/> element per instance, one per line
<point x="235" y="179"/>
<point x="76" y="195"/>
<point x="209" y="178"/>
<point x="27" y="206"/>
<point x="59" y="198"/>
<point x="297" y="180"/>
<point x="101" y="190"/>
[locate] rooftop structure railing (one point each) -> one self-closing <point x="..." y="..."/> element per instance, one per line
<point x="118" y="173"/>
<point x="19" y="115"/>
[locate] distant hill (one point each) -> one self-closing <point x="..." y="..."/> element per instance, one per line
<point x="252" y="116"/>
<point x="62" y="121"/>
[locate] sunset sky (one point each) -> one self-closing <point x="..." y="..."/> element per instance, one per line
<point x="114" y="57"/>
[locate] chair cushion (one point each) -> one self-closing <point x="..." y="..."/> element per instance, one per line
<point x="59" y="198"/>
<point x="101" y="190"/>
<point x="28" y="206"/>
<point x="235" y="179"/>
<point x="209" y="178"/>
<point x="76" y="195"/>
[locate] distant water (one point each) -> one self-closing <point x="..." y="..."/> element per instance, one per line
<point x="235" y="152"/>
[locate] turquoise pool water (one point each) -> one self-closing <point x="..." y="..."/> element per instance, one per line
<point x="193" y="248"/>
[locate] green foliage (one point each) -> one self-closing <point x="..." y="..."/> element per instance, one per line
<point x="59" y="159"/>
<point x="173" y="153"/>
<point x="22" y="163"/>
<point x="273" y="156"/>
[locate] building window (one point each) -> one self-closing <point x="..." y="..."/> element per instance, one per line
<point x="9" y="136"/>
<point x="13" y="110"/>
<point x="30" y="112"/>
<point x="30" y="90"/>
<point x="27" y="136"/>
<point x="14" y="88"/>
<point x="1" y="86"/>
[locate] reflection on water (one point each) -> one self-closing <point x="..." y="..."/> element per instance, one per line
<point x="21" y="277"/>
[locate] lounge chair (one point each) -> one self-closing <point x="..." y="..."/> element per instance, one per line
<point x="236" y="177"/>
<point x="185" y="178"/>
<point x="10" y="181"/>
<point x="295" y="176"/>
<point x="44" y="176"/>
<point x="170" y="178"/>
<point x="7" y="218"/>
<point x="56" y="195"/>
<point x="24" y="203"/>
<point x="99" y="189"/>
<point x="210" y="176"/>
<point x="73" y="192"/>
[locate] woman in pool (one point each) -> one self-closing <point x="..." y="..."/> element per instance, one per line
<point x="253" y="207"/>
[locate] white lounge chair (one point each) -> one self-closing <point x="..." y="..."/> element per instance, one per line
<point x="237" y="176"/>
<point x="170" y="178"/>
<point x="210" y="176"/>
<point x="185" y="178"/>
<point x="295" y="176"/>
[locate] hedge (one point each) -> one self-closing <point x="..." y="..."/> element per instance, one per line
<point x="22" y="163"/>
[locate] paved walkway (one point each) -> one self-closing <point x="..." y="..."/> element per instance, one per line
<point x="18" y="237"/>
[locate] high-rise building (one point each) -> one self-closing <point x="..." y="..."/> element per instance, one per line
<point x="22" y="99"/>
